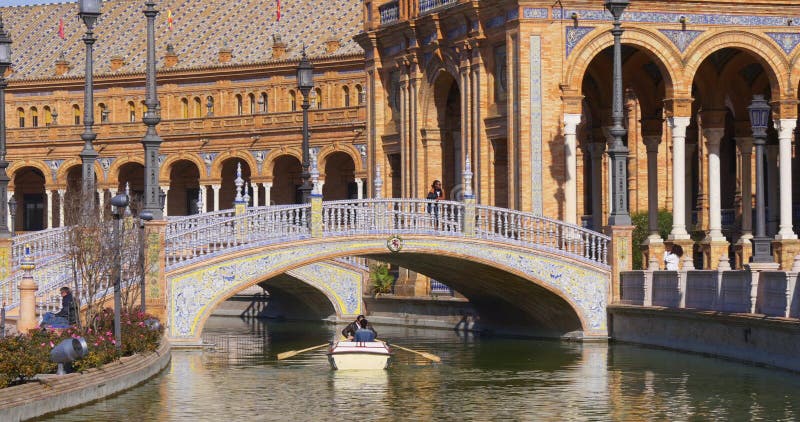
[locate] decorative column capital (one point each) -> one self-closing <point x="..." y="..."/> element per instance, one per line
<point x="651" y="142"/>
<point x="745" y="144"/>
<point x="713" y="137"/>
<point x="679" y="125"/>
<point x="571" y="122"/>
<point x="785" y="127"/>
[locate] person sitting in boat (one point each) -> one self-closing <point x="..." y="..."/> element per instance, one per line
<point x="349" y="332"/>
<point x="364" y="333"/>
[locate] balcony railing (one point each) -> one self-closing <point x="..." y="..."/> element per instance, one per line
<point x="426" y="6"/>
<point x="344" y="116"/>
<point x="390" y="12"/>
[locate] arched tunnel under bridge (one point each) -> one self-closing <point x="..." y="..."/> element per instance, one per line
<point x="514" y="289"/>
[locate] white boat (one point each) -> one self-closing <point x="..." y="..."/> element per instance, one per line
<point x="359" y="355"/>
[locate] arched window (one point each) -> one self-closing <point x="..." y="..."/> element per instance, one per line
<point x="346" y="96"/>
<point x="103" y="113"/>
<point x="318" y="97"/>
<point x="34" y="117"/>
<point x="198" y="107"/>
<point x="293" y="100"/>
<point x="264" y="102"/>
<point x="252" y="99"/>
<point x="131" y="112"/>
<point x="48" y="116"/>
<point x="21" y="115"/>
<point x="184" y="108"/>
<point x="360" y="94"/>
<point x="239" y="105"/>
<point x="76" y="114"/>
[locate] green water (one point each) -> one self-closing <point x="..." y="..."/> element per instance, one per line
<point x="484" y="379"/>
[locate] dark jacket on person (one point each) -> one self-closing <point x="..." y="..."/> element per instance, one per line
<point x="69" y="309"/>
<point x="350" y="330"/>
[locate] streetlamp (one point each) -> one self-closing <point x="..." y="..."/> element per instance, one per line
<point x="759" y="111"/>
<point x="12" y="208"/>
<point x="151" y="141"/>
<point x="5" y="62"/>
<point x="305" y="82"/>
<point x="617" y="151"/>
<point x="89" y="12"/>
<point x="144" y="216"/>
<point x="118" y="205"/>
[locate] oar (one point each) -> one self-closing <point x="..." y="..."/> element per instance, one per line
<point x="291" y="353"/>
<point x="426" y="355"/>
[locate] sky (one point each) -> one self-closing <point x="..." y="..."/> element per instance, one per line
<point x="28" y="2"/>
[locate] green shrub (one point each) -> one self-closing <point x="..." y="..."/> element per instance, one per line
<point x="382" y="280"/>
<point x="641" y="230"/>
<point x="26" y="355"/>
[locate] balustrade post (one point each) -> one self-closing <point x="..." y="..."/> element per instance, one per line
<point x="316" y="215"/>
<point x="791" y="283"/>
<point x="682" y="276"/>
<point x="27" y="295"/>
<point x="469" y="200"/>
<point x="155" y="264"/>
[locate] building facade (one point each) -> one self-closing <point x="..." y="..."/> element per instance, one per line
<point x="228" y="93"/>
<point x="523" y="90"/>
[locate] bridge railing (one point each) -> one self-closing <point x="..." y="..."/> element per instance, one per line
<point x="526" y="228"/>
<point x="396" y="215"/>
<point x="44" y="245"/>
<point x="256" y="226"/>
<point x="182" y="224"/>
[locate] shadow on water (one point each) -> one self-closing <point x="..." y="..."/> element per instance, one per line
<point x="480" y="378"/>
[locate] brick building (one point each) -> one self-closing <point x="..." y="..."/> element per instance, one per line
<point x="523" y="88"/>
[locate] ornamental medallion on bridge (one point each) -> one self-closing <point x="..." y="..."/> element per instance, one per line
<point x="394" y="243"/>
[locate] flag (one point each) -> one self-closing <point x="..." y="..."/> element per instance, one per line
<point x="169" y="18"/>
<point x="279" y="10"/>
<point x="61" y="29"/>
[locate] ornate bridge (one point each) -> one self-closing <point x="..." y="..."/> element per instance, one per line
<point x="555" y="274"/>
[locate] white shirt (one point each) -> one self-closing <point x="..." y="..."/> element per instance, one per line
<point x="671" y="261"/>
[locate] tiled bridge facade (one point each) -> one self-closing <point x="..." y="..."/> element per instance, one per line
<point x="555" y="273"/>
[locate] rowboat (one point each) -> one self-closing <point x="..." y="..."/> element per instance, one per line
<point x="345" y="355"/>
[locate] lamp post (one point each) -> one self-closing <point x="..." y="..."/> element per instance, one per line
<point x="144" y="216"/>
<point x="89" y="12"/>
<point x="12" y="209"/>
<point x="151" y="141"/>
<point x="5" y="62"/>
<point x="759" y="111"/>
<point x="118" y="205"/>
<point x="617" y="151"/>
<point x="305" y="82"/>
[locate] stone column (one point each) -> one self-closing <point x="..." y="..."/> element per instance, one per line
<point x="268" y="193"/>
<point x="256" y="193"/>
<point x="597" y="150"/>
<point x="49" y="194"/>
<point x="101" y="201"/>
<point x="61" y="197"/>
<point x="360" y="187"/>
<point x="11" y="223"/>
<point x="571" y="122"/>
<point x="204" y="198"/>
<point x="771" y="189"/>
<point x="744" y="249"/>
<point x="216" y="189"/>
<point x="715" y="245"/>
<point x="786" y="244"/>
<point x="678" y="126"/>
<point x="165" y="188"/>
<point x="653" y="245"/>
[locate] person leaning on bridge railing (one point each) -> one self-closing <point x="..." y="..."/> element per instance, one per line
<point x="436" y="193"/>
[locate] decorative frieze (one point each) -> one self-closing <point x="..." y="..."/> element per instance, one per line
<point x="664" y="17"/>
<point x="681" y="38"/>
<point x="787" y="40"/>
<point x="574" y="35"/>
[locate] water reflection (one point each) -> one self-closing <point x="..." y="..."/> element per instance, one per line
<point x="478" y="379"/>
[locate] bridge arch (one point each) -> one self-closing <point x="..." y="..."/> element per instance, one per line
<point x="195" y="289"/>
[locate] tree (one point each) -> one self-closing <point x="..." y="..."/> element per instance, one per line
<point x="94" y="249"/>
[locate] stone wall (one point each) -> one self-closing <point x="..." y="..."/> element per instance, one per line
<point x="748" y="338"/>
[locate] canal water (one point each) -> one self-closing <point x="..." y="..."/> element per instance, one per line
<point x="484" y="379"/>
